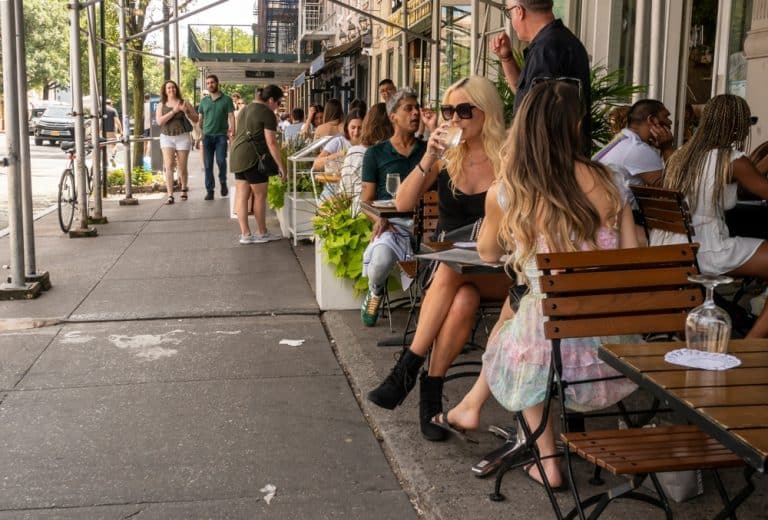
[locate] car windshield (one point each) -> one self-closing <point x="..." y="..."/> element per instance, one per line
<point x="57" y="112"/>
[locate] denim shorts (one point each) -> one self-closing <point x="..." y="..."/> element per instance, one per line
<point x="176" y="142"/>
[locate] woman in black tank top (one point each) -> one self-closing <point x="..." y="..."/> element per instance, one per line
<point x="462" y="177"/>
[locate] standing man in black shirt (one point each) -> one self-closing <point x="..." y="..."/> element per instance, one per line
<point x="553" y="52"/>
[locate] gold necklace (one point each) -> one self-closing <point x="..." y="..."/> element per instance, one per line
<point x="472" y="163"/>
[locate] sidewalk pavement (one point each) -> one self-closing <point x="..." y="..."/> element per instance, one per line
<point x="159" y="389"/>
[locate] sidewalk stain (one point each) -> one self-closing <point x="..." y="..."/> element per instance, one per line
<point x="147" y="346"/>
<point x="227" y="332"/>
<point x="74" y="338"/>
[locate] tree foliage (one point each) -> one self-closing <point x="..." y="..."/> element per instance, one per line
<point x="46" y="26"/>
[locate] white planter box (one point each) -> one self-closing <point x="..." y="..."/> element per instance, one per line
<point x="305" y="210"/>
<point x="332" y="292"/>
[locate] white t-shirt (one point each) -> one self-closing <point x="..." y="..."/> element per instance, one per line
<point x="337" y="144"/>
<point x="630" y="156"/>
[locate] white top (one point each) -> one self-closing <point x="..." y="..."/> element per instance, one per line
<point x="719" y="253"/>
<point x="351" y="174"/>
<point x="337" y="144"/>
<point x="630" y="156"/>
<point x="291" y="132"/>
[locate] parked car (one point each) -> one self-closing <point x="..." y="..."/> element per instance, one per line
<point x="35" y="114"/>
<point x="56" y="125"/>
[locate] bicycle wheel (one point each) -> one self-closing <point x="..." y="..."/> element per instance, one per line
<point x="67" y="200"/>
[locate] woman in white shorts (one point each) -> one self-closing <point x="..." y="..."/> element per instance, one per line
<point x="174" y="135"/>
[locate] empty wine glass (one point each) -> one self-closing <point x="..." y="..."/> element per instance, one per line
<point x="708" y="327"/>
<point x="393" y="183"/>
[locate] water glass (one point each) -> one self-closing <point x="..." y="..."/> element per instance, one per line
<point x="708" y="327"/>
<point x="393" y="183"/>
<point x="452" y="138"/>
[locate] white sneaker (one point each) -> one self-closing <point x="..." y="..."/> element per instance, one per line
<point x="247" y="239"/>
<point x="258" y="238"/>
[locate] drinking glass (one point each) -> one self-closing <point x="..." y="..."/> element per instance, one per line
<point x="708" y="327"/>
<point x="451" y="139"/>
<point x="393" y="183"/>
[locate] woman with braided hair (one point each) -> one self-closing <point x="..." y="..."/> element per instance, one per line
<point x="708" y="170"/>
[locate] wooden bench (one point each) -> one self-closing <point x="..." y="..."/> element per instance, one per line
<point x="617" y="292"/>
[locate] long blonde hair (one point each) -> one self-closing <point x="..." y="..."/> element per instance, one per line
<point x="724" y="126"/>
<point x="483" y="94"/>
<point x="543" y="199"/>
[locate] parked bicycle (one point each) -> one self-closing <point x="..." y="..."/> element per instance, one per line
<point x="67" y="200"/>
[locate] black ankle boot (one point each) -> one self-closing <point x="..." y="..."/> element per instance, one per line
<point x="431" y="404"/>
<point x="398" y="383"/>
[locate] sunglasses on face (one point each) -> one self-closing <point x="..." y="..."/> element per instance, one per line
<point x="464" y="111"/>
<point x="576" y="82"/>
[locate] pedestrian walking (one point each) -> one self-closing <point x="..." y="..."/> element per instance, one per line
<point x="218" y="123"/>
<point x="175" y="139"/>
<point x="112" y="127"/>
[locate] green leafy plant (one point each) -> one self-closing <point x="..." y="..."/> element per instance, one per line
<point x="140" y="177"/>
<point x="276" y="189"/>
<point x="345" y="236"/>
<point x="608" y="89"/>
<point x="116" y="177"/>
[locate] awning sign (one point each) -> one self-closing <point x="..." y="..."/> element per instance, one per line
<point x="317" y="64"/>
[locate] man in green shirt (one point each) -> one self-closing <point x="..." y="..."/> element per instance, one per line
<point x="217" y="115"/>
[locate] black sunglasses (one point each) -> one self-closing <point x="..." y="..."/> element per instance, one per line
<point x="753" y="120"/>
<point x="566" y="79"/>
<point x="464" y="110"/>
<point x="508" y="10"/>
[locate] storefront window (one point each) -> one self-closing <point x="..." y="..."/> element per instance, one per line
<point x="455" y="58"/>
<point x="741" y="18"/>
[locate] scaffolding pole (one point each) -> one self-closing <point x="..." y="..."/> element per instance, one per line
<point x="98" y="216"/>
<point x="176" y="41"/>
<point x="16" y="286"/>
<point x="82" y="230"/>
<point x="128" y="200"/>
<point x="25" y="169"/>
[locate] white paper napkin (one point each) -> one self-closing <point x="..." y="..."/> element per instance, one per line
<point x="699" y="359"/>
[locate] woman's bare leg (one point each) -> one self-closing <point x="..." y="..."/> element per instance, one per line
<point x="546" y="445"/>
<point x="455" y="330"/>
<point x="259" y="206"/>
<point x="183" y="156"/>
<point x="168" y="160"/>
<point x="757" y="266"/>
<point x="242" y="194"/>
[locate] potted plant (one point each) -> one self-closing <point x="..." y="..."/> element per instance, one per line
<point x="342" y="234"/>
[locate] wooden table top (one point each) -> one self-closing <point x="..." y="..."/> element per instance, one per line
<point x="385" y="211"/>
<point x="729" y="405"/>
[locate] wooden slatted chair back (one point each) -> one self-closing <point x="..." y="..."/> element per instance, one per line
<point x="618" y="291"/>
<point x="663" y="209"/>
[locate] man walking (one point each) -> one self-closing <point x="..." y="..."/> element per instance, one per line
<point x="112" y="127"/>
<point x="218" y="124"/>
<point x="553" y="52"/>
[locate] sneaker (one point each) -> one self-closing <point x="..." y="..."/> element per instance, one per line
<point x="370" y="309"/>
<point x="246" y="239"/>
<point x="209" y="195"/>
<point x="224" y="190"/>
<point x="260" y="238"/>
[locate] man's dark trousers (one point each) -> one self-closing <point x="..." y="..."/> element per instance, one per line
<point x="214" y="145"/>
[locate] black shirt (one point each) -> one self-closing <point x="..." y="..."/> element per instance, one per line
<point x="457" y="209"/>
<point x="557" y="52"/>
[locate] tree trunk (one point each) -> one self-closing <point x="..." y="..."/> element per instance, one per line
<point x="137" y="67"/>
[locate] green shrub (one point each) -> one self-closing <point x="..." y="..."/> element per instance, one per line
<point x="345" y="237"/>
<point x="276" y="189"/>
<point x="140" y="177"/>
<point x="116" y="178"/>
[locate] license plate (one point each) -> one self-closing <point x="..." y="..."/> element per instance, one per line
<point x="55" y="133"/>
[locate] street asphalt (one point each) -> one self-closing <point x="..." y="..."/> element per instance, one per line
<point x="158" y="387"/>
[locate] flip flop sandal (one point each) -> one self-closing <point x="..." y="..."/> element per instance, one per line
<point x="170" y="200"/>
<point x="441" y="421"/>
<point x="555" y="489"/>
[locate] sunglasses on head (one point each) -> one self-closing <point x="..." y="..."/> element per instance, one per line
<point x="753" y="120"/>
<point x="576" y="82"/>
<point x="464" y="110"/>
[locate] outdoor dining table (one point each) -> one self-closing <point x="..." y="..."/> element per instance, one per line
<point x="385" y="209"/>
<point x="464" y="260"/>
<point x="749" y="218"/>
<point x="729" y="405"/>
